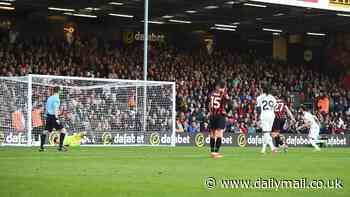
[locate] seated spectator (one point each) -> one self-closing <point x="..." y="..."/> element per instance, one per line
<point x="252" y="128"/>
<point x="242" y="128"/>
<point x="340" y="126"/>
<point x="193" y="128"/>
<point x="205" y="127"/>
<point x="179" y="126"/>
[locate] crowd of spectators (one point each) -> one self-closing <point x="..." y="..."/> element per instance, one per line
<point x="194" y="72"/>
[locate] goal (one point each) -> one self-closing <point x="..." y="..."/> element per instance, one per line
<point x="112" y="112"/>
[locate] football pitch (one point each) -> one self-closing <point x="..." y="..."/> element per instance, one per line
<point x="159" y="172"/>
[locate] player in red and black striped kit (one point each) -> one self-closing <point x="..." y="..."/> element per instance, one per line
<point x="217" y="117"/>
<point x="281" y="113"/>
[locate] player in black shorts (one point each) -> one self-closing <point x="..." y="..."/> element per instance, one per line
<point x="217" y="122"/>
<point x="281" y="113"/>
<point x="278" y="124"/>
<point x="217" y="117"/>
<point x="52" y="122"/>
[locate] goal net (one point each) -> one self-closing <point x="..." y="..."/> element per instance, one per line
<point x="112" y="112"/>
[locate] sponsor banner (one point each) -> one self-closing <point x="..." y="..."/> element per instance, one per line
<point x="108" y="138"/>
<point x="300" y="3"/>
<point x="298" y="140"/>
<point x="250" y="140"/>
<point x="181" y="139"/>
<point x="13" y="138"/>
<point x="155" y="138"/>
<point x="341" y="5"/>
<point x="203" y="139"/>
<point x="336" y="5"/>
<point x="129" y="37"/>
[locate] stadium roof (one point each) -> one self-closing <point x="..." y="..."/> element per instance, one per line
<point x="247" y="16"/>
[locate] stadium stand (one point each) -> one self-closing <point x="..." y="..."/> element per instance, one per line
<point x="194" y="73"/>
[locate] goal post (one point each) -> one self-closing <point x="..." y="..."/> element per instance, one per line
<point x="112" y="112"/>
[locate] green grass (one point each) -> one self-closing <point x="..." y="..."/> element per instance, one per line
<point x="160" y="172"/>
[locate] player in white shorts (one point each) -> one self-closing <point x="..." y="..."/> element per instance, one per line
<point x="311" y="122"/>
<point x="265" y="107"/>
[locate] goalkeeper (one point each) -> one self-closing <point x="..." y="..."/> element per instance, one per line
<point x="71" y="140"/>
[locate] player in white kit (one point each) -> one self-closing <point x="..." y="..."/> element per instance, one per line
<point x="265" y="106"/>
<point x="311" y="122"/>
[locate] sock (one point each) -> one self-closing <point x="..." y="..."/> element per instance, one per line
<point x="275" y="141"/>
<point x="278" y="141"/>
<point x="42" y="140"/>
<point x="212" y="144"/>
<point x="263" y="150"/>
<point x="281" y="142"/>
<point x="313" y="143"/>
<point x="62" y="135"/>
<point x="218" y="144"/>
<point x="269" y="141"/>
